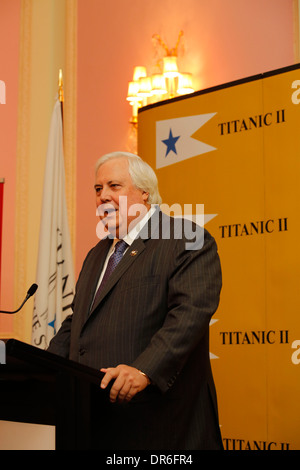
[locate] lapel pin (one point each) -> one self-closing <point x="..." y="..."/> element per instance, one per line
<point x="133" y="253"/>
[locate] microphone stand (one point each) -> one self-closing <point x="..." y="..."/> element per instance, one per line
<point x="30" y="292"/>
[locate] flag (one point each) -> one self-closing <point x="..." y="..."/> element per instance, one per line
<point x="174" y="141"/>
<point x="55" y="273"/>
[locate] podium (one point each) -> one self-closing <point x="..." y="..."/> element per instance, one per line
<point x="41" y="388"/>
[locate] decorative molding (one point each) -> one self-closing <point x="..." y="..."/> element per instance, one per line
<point x="26" y="149"/>
<point x="296" y="10"/>
<point x="70" y="107"/>
<point x="22" y="161"/>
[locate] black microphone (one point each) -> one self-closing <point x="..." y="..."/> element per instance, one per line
<point x="30" y="292"/>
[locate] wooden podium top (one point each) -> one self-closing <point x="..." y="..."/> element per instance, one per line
<point x="21" y="356"/>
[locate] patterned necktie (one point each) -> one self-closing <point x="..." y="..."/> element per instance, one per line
<point x="115" y="258"/>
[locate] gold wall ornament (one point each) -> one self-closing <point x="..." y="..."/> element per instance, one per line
<point x="165" y="82"/>
<point x="156" y="38"/>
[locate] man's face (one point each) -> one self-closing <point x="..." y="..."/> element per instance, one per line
<point x="119" y="203"/>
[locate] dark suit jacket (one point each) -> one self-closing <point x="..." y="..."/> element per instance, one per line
<point x="153" y="314"/>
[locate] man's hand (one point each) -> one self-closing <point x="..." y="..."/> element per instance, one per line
<point x="128" y="382"/>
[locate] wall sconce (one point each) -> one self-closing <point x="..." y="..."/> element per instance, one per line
<point x="165" y="84"/>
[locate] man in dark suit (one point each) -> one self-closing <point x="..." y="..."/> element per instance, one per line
<point x="146" y="326"/>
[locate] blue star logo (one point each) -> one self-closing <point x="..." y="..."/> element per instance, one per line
<point x="52" y="324"/>
<point x="170" y="143"/>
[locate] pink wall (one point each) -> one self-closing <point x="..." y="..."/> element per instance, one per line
<point x="9" y="60"/>
<point x="224" y="41"/>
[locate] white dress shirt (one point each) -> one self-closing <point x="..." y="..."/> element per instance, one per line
<point x="129" y="239"/>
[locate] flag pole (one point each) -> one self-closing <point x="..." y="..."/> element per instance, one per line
<point x="61" y="91"/>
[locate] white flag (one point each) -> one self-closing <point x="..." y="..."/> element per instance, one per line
<point x="174" y="141"/>
<point x="55" y="273"/>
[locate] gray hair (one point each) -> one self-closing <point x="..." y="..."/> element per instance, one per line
<point x="142" y="175"/>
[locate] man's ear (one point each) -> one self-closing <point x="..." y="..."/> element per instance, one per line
<point x="145" y="196"/>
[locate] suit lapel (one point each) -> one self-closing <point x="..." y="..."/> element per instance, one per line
<point x="128" y="259"/>
<point x="150" y="230"/>
<point x="92" y="277"/>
